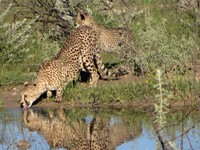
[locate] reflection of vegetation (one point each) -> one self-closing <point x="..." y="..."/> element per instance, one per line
<point x="182" y="126"/>
<point x="116" y="126"/>
<point x="121" y="126"/>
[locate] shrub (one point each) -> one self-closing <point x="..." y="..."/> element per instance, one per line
<point x="22" y="49"/>
<point x="159" y="48"/>
<point x="14" y="37"/>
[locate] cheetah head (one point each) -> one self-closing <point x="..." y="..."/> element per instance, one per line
<point x="84" y="19"/>
<point x="29" y="95"/>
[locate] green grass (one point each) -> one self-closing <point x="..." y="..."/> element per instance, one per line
<point x="1" y="102"/>
<point x="180" y="89"/>
<point x="41" y="47"/>
<point x="15" y="74"/>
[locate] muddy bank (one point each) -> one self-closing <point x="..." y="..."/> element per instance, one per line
<point x="11" y="98"/>
<point x="11" y="95"/>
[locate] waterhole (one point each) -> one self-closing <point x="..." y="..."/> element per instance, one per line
<point x="61" y="128"/>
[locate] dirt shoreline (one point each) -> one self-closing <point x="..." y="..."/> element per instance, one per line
<point x="11" y="100"/>
<point x="11" y="95"/>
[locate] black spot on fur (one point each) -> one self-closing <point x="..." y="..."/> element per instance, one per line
<point x="82" y="17"/>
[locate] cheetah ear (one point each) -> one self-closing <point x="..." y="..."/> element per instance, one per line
<point x="26" y="83"/>
<point x="78" y="13"/>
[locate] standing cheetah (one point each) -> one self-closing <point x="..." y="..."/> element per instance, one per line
<point x="89" y="40"/>
<point x="78" y="54"/>
<point x="111" y="39"/>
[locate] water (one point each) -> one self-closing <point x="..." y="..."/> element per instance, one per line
<point x="85" y="128"/>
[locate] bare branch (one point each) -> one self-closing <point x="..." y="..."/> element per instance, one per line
<point x="184" y="132"/>
<point x="51" y="16"/>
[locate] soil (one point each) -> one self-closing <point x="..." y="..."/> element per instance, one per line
<point x="11" y="95"/>
<point x="11" y="98"/>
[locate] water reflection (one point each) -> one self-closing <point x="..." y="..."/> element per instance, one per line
<point x="12" y="132"/>
<point x="89" y="129"/>
<point x="93" y="131"/>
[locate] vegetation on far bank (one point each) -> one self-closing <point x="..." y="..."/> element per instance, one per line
<point x="178" y="89"/>
<point x="166" y="38"/>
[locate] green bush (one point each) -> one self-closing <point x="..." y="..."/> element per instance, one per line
<point x="159" y="48"/>
<point x="22" y="49"/>
<point x="13" y="40"/>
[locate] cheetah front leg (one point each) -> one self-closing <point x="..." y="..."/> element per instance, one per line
<point x="49" y="94"/>
<point x="59" y="93"/>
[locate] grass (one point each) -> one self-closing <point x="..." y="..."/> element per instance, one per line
<point x="101" y="93"/>
<point x="18" y="71"/>
<point x="41" y="47"/>
<point x="179" y="90"/>
<point x="15" y="75"/>
<point x="1" y="102"/>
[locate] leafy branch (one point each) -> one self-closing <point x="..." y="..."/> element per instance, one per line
<point x="161" y="109"/>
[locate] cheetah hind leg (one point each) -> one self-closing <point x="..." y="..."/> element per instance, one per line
<point x="103" y="71"/>
<point x="94" y="77"/>
<point x="122" y="70"/>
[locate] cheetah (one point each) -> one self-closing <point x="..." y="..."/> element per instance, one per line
<point x="77" y="54"/>
<point x="110" y="39"/>
<point x="94" y="49"/>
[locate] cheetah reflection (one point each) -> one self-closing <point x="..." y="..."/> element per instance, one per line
<point x="62" y="131"/>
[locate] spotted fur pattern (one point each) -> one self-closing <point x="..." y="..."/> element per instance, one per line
<point x="77" y="54"/>
<point x="110" y="39"/>
<point x="115" y="40"/>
